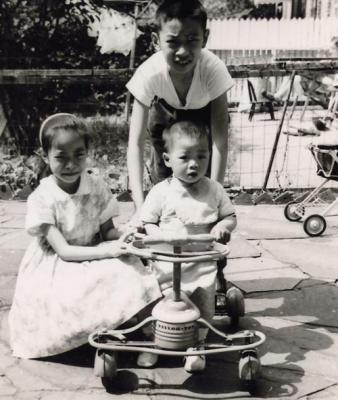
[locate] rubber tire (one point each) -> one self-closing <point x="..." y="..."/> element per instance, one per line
<point x="307" y="225"/>
<point x="288" y="215"/>
<point x="105" y="367"/>
<point x="249" y="370"/>
<point x="235" y="305"/>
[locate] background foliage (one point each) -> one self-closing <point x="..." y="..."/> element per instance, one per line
<point x="53" y="34"/>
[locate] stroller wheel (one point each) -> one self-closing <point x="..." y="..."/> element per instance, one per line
<point x="314" y="225"/>
<point x="294" y="211"/>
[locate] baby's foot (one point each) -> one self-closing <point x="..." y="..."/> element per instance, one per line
<point x="195" y="363"/>
<point x="147" y="360"/>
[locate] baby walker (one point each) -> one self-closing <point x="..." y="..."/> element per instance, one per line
<point x="175" y="319"/>
<point x="326" y="157"/>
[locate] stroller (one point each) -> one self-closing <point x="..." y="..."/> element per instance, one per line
<point x="326" y="157"/>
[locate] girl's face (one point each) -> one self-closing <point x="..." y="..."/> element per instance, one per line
<point x="67" y="159"/>
<point x="181" y="42"/>
<point x="188" y="158"/>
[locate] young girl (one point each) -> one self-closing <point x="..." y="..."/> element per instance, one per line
<point x="188" y="203"/>
<point x="69" y="284"/>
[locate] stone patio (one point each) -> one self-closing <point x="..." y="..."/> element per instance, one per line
<point x="290" y="285"/>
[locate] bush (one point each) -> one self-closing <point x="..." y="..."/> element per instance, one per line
<point x="46" y="34"/>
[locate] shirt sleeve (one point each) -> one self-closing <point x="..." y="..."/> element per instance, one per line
<point x="109" y="205"/>
<point x="40" y="213"/>
<point x="225" y="207"/>
<point x="218" y="78"/>
<point x="151" y="210"/>
<point x="141" y="85"/>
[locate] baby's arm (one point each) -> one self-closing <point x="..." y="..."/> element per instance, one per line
<point x="135" y="153"/>
<point x="219" y="136"/>
<point x="80" y="253"/>
<point x="223" y="228"/>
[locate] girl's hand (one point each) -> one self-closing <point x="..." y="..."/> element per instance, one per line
<point x="221" y="233"/>
<point x="113" y="249"/>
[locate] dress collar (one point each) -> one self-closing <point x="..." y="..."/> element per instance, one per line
<point x="50" y="184"/>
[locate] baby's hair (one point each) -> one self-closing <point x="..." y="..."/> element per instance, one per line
<point x="181" y="9"/>
<point x="190" y="129"/>
<point x="63" y="121"/>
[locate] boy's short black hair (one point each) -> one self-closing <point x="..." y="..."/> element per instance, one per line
<point x="181" y="9"/>
<point x="191" y="129"/>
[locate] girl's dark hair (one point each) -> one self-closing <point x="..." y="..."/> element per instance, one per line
<point x="62" y="121"/>
<point x="186" y="129"/>
<point x="181" y="9"/>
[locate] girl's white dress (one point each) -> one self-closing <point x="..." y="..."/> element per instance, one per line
<point x="58" y="303"/>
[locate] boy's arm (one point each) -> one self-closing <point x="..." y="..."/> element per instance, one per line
<point x="135" y="153"/>
<point x="109" y="231"/>
<point x="80" y="253"/>
<point x="219" y="137"/>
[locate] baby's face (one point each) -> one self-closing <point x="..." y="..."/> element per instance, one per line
<point x="181" y="42"/>
<point x="188" y="158"/>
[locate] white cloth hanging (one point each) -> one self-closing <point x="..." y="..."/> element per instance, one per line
<point x="115" y="32"/>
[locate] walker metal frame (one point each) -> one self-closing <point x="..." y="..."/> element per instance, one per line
<point x="174" y="338"/>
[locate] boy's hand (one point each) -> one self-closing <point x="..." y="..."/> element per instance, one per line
<point x="221" y="233"/>
<point x="134" y="222"/>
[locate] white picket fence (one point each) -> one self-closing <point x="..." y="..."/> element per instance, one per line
<point x="260" y="40"/>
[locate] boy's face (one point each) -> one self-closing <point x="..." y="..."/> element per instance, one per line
<point x="181" y="42"/>
<point x="188" y="158"/>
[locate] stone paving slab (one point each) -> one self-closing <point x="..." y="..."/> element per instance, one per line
<point x="14" y="239"/>
<point x="291" y="297"/>
<point x="317" y="257"/>
<point x="315" y="305"/>
<point x="13" y="221"/>
<point x="262" y="274"/>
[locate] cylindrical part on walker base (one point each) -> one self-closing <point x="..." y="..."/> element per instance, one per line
<point x="173" y="336"/>
<point x="177" y="275"/>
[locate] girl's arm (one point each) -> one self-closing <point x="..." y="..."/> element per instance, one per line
<point x="135" y="153"/>
<point x="80" y="253"/>
<point x="219" y="137"/>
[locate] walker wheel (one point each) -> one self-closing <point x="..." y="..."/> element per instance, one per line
<point x="314" y="225"/>
<point x="248" y="369"/>
<point x="105" y="367"/>
<point x="294" y="211"/>
<point x="235" y="305"/>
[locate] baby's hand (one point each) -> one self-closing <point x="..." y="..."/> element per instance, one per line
<point x="221" y="233"/>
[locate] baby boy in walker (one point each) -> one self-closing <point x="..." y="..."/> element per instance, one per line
<point x="188" y="203"/>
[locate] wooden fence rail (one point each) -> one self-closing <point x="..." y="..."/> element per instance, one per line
<point x="104" y="76"/>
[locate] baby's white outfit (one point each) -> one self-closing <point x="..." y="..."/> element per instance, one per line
<point x="57" y="303"/>
<point x="193" y="209"/>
